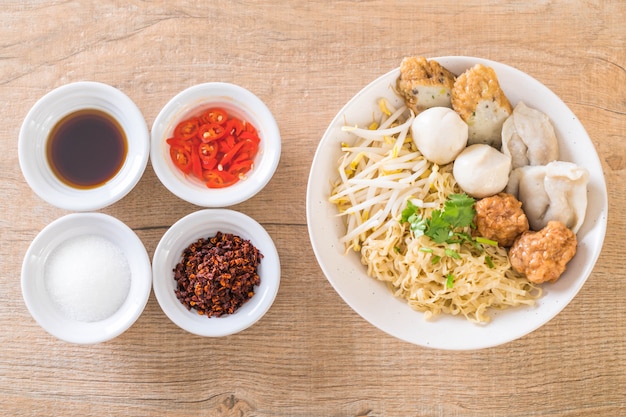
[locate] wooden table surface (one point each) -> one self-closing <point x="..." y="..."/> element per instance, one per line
<point x="311" y="355"/>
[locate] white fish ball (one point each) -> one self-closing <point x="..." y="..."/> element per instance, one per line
<point x="481" y="170"/>
<point x="439" y="134"/>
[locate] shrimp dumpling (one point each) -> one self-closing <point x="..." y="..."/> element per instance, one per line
<point x="528" y="137"/>
<point x="481" y="170"/>
<point x="555" y="191"/>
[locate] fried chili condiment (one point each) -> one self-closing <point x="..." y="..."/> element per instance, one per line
<point x="217" y="275"/>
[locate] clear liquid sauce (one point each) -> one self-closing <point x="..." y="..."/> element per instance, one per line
<point x="86" y="148"/>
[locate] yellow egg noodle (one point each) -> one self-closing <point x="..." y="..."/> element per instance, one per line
<point x="377" y="175"/>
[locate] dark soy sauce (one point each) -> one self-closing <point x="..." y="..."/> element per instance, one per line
<point x="86" y="148"/>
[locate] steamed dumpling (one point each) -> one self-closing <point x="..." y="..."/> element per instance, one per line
<point x="556" y="191"/>
<point x="440" y="134"/>
<point x="529" y="138"/>
<point x="481" y="170"/>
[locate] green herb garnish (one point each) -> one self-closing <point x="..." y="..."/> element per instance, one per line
<point x="452" y="253"/>
<point x="447" y="225"/>
<point x="449" y="281"/>
<point x="486" y="241"/>
<point x="412" y="216"/>
<point x="458" y="212"/>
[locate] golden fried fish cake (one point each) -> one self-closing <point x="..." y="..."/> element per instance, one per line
<point x="481" y="103"/>
<point x="424" y="83"/>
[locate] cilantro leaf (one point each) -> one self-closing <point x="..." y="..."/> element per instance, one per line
<point x="459" y="210"/>
<point x="412" y="216"/>
<point x="446" y="226"/>
<point x="409" y="211"/>
<point x="438" y="228"/>
<point x="460" y="200"/>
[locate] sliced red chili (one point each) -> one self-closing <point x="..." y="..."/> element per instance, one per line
<point x="250" y="136"/>
<point x="196" y="164"/>
<point x="214" y="115"/>
<point x="209" y="164"/>
<point x="210" y="132"/>
<point x="207" y="151"/>
<point x="242" y="156"/>
<point x="179" y="142"/>
<point x="219" y="179"/>
<point x="234" y="126"/>
<point x="208" y="155"/>
<point x="250" y="128"/>
<point x="186" y="129"/>
<point x="215" y="147"/>
<point x="240" y="168"/>
<point x="228" y="156"/>
<point x="245" y="149"/>
<point x="231" y="141"/>
<point x="181" y="158"/>
<point x="250" y="147"/>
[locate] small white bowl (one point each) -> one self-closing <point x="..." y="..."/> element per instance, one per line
<point x="41" y="305"/>
<point x="237" y="101"/>
<point x="43" y="117"/>
<point x="204" y="224"/>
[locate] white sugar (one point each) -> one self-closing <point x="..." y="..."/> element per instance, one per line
<point x="87" y="278"/>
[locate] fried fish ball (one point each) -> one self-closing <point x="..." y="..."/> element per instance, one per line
<point x="478" y="98"/>
<point x="424" y="83"/>
<point x="500" y="218"/>
<point x="542" y="256"/>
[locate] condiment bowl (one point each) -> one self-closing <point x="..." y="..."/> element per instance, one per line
<point x="58" y="104"/>
<point x="238" y="102"/>
<point x="46" y="309"/>
<point x="205" y="224"/>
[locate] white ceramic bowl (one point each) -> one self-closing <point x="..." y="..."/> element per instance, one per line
<point x="204" y="224"/>
<point x="373" y="300"/>
<point x="41" y="305"/>
<point x="236" y="101"/>
<point x="57" y="104"/>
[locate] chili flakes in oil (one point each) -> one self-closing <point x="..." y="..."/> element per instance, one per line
<point x="217" y="275"/>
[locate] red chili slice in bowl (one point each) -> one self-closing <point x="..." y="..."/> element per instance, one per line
<point x="215" y="147"/>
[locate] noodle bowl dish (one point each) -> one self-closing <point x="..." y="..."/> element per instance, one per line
<point x="438" y="188"/>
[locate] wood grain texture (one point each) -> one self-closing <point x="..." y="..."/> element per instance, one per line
<point x="311" y="355"/>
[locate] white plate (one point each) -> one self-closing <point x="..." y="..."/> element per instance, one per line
<point x="373" y="301"/>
